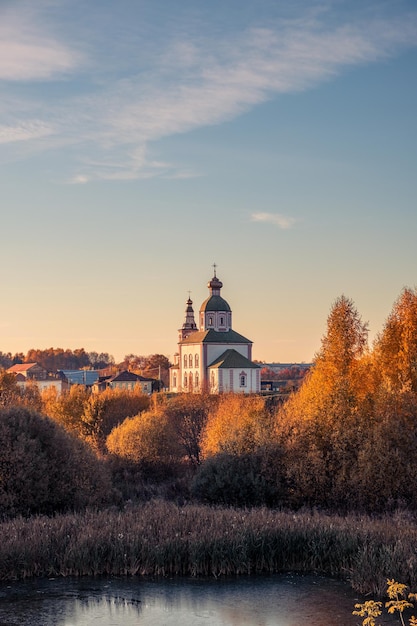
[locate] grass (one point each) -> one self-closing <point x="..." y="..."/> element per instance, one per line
<point x="163" y="539"/>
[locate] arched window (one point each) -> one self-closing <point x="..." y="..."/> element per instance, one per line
<point x="185" y="381"/>
<point x="242" y="379"/>
<point x="190" y="360"/>
<point x="210" y="321"/>
<point x="196" y="361"/>
<point x="190" y="382"/>
<point x="197" y="380"/>
<point x="174" y="380"/>
<point x="185" y="360"/>
<point x="221" y="320"/>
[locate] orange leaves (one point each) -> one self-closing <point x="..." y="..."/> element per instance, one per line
<point x="238" y="425"/>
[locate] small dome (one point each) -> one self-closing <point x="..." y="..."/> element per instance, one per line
<point x="215" y="283"/>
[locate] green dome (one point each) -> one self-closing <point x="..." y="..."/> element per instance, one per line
<point x="215" y="303"/>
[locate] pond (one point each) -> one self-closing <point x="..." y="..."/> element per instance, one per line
<point x="279" y="600"/>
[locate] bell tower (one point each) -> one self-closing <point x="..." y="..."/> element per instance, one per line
<point x="189" y="325"/>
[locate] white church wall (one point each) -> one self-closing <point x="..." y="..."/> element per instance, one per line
<point x="236" y="380"/>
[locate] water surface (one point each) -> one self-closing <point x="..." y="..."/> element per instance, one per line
<point x="279" y="600"/>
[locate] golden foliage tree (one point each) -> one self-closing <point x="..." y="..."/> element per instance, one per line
<point x="395" y="349"/>
<point x="103" y="411"/>
<point x="238" y="425"/>
<point x="9" y="390"/>
<point x="92" y="416"/>
<point x="149" y="437"/>
<point x="11" y="394"/>
<point x="386" y="471"/>
<point x="67" y="408"/>
<point x="321" y="424"/>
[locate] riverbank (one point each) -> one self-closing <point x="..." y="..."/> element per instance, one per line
<point x="163" y="539"/>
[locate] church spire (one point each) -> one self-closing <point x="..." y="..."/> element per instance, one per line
<point x="189" y="325"/>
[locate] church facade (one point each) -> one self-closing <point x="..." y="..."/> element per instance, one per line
<point x="211" y="356"/>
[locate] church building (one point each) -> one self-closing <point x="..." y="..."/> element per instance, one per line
<point x="212" y="356"/>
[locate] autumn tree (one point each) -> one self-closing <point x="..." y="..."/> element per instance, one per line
<point x="386" y="469"/>
<point x="146" y="438"/>
<point x="157" y="366"/>
<point x="344" y="343"/>
<point x="103" y="411"/>
<point x="9" y="389"/>
<point x="67" y="408"/>
<point x="243" y="460"/>
<point x="11" y="394"/>
<point x="6" y="360"/>
<point x="92" y="416"/>
<point x="188" y="414"/>
<point x="322" y="423"/>
<point x="238" y="424"/>
<point x="152" y="366"/>
<point x="395" y="349"/>
<point x="100" y="360"/>
<point x="268" y="374"/>
<point x="133" y="362"/>
<point x="386" y="454"/>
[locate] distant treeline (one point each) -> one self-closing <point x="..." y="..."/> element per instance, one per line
<point x="53" y="359"/>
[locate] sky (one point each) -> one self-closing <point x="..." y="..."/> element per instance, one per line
<point x="141" y="141"/>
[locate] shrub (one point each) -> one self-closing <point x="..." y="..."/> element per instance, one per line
<point x="43" y="469"/>
<point x="13" y="395"/>
<point x="93" y="416"/>
<point x="241" y="480"/>
<point x="106" y="410"/>
<point x="145" y="438"/>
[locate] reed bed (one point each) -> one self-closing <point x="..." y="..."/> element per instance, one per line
<point x="163" y="539"/>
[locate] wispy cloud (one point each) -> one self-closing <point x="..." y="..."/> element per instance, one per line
<point x="30" y="129"/>
<point x="191" y="81"/>
<point x="282" y="221"/>
<point x="27" y="50"/>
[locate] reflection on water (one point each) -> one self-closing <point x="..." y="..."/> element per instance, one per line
<point x="284" y="600"/>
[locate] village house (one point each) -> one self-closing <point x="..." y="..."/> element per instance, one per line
<point x="34" y="374"/>
<point x="128" y="381"/>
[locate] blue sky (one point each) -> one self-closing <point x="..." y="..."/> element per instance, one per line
<point x="143" y="140"/>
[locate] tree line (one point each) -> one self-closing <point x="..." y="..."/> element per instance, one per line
<point x="53" y="359"/>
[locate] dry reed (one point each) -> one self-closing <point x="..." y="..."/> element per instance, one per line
<point x="162" y="539"/>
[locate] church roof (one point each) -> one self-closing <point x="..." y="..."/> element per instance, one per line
<point x="232" y="359"/>
<point x="215" y="303"/>
<point x="214" y="336"/>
